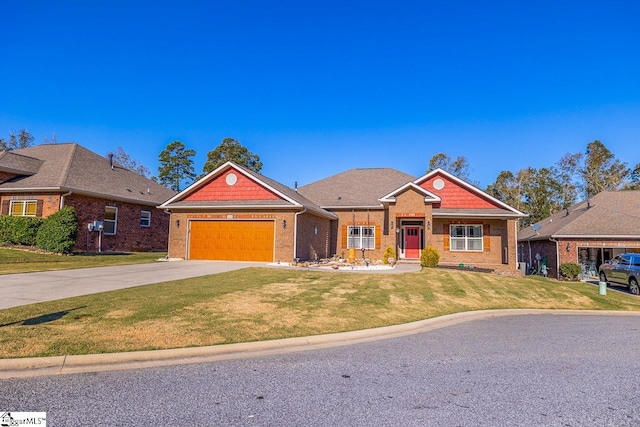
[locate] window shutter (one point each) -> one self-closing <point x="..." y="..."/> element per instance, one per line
<point x="39" y="208"/>
<point x="445" y="235"/>
<point x="486" y="237"/>
<point x="344" y="236"/>
<point x="378" y="237"/>
<point x="5" y="207"/>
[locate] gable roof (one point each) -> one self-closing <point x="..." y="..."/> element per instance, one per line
<point x="355" y="188"/>
<point x="484" y="205"/>
<point x="609" y="214"/>
<point x="71" y="167"/>
<point x="428" y="196"/>
<point x="285" y="196"/>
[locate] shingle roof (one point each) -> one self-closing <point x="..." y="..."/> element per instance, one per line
<point x="71" y="167"/>
<point x="607" y="214"/>
<point x="355" y="187"/>
<point x="15" y="163"/>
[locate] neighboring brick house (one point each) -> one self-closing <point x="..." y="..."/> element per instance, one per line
<point x="588" y="233"/>
<point x="40" y="180"/>
<point x="237" y="214"/>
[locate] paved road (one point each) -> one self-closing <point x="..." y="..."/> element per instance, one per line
<point x="550" y="370"/>
<point x="29" y="288"/>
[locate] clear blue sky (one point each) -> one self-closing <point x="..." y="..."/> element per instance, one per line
<point x="316" y="88"/>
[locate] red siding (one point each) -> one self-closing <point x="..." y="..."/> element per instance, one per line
<point x="454" y="196"/>
<point x="243" y="189"/>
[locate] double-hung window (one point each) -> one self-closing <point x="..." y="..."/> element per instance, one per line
<point x="466" y="238"/>
<point x="145" y="218"/>
<point x="110" y="220"/>
<point x="361" y="237"/>
<point x="23" y="207"/>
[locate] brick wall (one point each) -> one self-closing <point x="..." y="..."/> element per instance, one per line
<point x="314" y="237"/>
<point x="130" y="235"/>
<point x="50" y="202"/>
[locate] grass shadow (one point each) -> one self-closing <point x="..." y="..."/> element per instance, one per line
<point x="45" y="318"/>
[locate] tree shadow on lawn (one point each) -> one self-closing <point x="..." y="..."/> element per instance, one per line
<point x="45" y="318"/>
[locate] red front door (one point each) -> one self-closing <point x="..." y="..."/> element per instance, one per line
<point x="412" y="242"/>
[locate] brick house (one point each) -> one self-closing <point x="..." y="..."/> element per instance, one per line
<point x="237" y="214"/>
<point x="40" y="180"/>
<point x="588" y="233"/>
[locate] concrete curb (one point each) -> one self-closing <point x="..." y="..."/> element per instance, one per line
<point x="62" y="365"/>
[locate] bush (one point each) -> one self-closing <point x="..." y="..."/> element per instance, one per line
<point x="429" y="257"/>
<point x="570" y="270"/>
<point x="389" y="253"/>
<point x="58" y="232"/>
<point x="19" y="230"/>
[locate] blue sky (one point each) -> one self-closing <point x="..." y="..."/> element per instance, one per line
<point x="316" y="88"/>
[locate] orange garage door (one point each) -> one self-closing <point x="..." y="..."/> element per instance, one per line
<point x="231" y="240"/>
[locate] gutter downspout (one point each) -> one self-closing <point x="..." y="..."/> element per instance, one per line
<point x="557" y="258"/>
<point x="62" y="198"/>
<point x="295" y="232"/>
<point x="530" y="260"/>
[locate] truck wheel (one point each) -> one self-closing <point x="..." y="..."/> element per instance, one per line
<point x="633" y="286"/>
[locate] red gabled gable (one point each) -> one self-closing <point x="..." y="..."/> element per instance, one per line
<point x="244" y="189"/>
<point x="456" y="196"/>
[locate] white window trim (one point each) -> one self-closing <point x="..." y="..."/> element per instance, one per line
<point x="466" y="238"/>
<point x="361" y="241"/>
<point x="24" y="207"/>
<point x="115" y="222"/>
<point x="147" y="219"/>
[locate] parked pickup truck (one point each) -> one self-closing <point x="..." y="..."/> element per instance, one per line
<point x="623" y="269"/>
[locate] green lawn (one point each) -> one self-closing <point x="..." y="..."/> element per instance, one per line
<point x="266" y="303"/>
<point x="19" y="261"/>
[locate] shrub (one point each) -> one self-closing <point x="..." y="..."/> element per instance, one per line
<point x="570" y="270"/>
<point x="389" y="253"/>
<point x="429" y="257"/>
<point x="58" y="232"/>
<point x="19" y="230"/>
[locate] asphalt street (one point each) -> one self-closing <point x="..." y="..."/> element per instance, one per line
<point x="550" y="370"/>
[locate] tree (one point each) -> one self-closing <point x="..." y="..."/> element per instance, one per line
<point x="231" y="150"/>
<point x="124" y="160"/>
<point x="568" y="174"/>
<point x="542" y="194"/>
<point x="23" y="140"/>
<point x="458" y="167"/>
<point x="507" y="189"/>
<point x="176" y="165"/>
<point x="602" y="171"/>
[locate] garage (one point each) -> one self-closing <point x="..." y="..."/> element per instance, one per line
<point x="237" y="240"/>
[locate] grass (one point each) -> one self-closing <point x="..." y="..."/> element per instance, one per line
<point x="265" y="303"/>
<point x="18" y="261"/>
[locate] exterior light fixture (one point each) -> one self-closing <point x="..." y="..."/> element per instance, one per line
<point x="568" y="247"/>
<point x="284" y="223"/>
<point x="428" y="224"/>
<point x="177" y="223"/>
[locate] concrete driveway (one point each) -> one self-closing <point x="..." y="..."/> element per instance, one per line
<point x="29" y="288"/>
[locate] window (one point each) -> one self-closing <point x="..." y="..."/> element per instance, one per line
<point x="110" y="220"/>
<point x="23" y="208"/>
<point x="145" y="219"/>
<point x="361" y="237"/>
<point x="466" y="238"/>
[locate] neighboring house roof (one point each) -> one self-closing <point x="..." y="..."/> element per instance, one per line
<point x="273" y="195"/>
<point x="71" y="167"/>
<point x="17" y="164"/>
<point x="355" y="188"/>
<point x="610" y="214"/>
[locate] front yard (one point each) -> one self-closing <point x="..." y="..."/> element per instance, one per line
<point x="21" y="261"/>
<point x="266" y="303"/>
